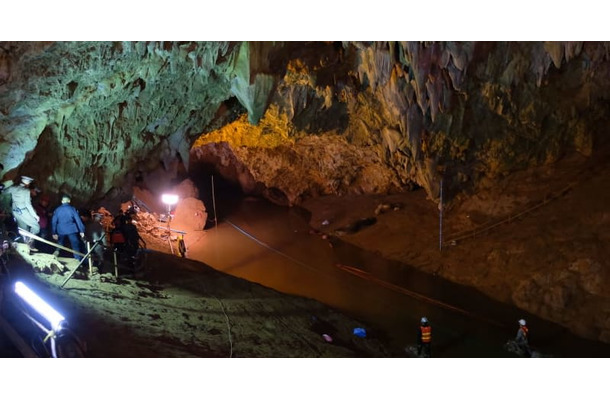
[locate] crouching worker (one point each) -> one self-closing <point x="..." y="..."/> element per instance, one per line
<point x="522" y="339"/>
<point x="66" y="223"/>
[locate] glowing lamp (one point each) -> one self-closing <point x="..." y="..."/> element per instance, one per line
<point x="169" y="199"/>
<point x="38" y="304"/>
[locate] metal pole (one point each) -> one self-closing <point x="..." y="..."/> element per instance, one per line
<point x="116" y="264"/>
<point x="169" y="231"/>
<point x="214" y="203"/>
<point x="38" y="238"/>
<point x="89" y="258"/>
<point x="82" y="260"/>
<point x="440" y="235"/>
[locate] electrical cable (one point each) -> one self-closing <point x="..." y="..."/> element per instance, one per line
<point x="228" y="326"/>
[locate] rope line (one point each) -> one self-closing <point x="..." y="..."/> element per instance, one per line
<point x="367" y="276"/>
<point x="592" y="169"/>
<point x="268" y="247"/>
<point x="485" y="228"/>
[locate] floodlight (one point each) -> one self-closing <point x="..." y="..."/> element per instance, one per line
<point x="38" y="304"/>
<point x="169" y="199"/>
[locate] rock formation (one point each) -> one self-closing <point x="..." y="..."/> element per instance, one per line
<point x="90" y="117"/>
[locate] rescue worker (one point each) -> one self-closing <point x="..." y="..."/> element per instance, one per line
<point x="522" y="338"/>
<point x="66" y="222"/>
<point x="94" y="232"/>
<point x="42" y="209"/>
<point x="424" y="338"/>
<point x="23" y="211"/>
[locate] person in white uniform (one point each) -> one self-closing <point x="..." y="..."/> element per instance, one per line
<point x="23" y="211"/>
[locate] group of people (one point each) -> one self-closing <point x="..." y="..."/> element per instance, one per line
<point x="65" y="225"/>
<point x="24" y="204"/>
<point x="424" y="338"/>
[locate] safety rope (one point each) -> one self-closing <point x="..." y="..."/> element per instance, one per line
<point x="367" y="276"/>
<point x="594" y="168"/>
<point x="265" y="245"/>
<point x="471" y="233"/>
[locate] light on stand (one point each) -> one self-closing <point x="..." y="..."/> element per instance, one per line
<point x="38" y="304"/>
<point x="170" y="200"/>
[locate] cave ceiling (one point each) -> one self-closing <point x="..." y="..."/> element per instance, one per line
<point x="289" y="120"/>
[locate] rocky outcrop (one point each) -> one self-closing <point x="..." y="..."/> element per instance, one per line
<point x="464" y="112"/>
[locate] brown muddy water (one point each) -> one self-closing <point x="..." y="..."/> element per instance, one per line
<point x="275" y="247"/>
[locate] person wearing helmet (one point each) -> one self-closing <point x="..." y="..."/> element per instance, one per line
<point x="522" y="338"/>
<point x="22" y="208"/>
<point x="424" y="338"/>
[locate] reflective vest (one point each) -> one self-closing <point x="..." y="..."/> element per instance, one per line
<point x="426" y="334"/>
<point x="524" y="330"/>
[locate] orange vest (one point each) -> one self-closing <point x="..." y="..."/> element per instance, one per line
<point x="524" y="330"/>
<point x="426" y="334"/>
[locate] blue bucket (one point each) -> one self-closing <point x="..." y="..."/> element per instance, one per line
<point x="360" y="332"/>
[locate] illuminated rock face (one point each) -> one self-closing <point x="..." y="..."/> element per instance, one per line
<point x="411" y="113"/>
<point x="90" y="118"/>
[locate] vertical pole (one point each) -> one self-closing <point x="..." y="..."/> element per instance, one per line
<point x="169" y="231"/>
<point x="116" y="265"/>
<point x="440" y="228"/>
<point x="214" y="203"/>
<point x="89" y="258"/>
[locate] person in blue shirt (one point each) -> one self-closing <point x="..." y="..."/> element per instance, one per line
<point x="66" y="222"/>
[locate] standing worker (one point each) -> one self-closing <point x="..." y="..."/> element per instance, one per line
<point x="23" y="211"/>
<point x="66" y="222"/>
<point x="522" y="338"/>
<point x="94" y="232"/>
<point x="424" y="338"/>
<point x="42" y="209"/>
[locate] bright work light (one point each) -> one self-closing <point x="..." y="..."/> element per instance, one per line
<point x="169" y="199"/>
<point x="38" y="304"/>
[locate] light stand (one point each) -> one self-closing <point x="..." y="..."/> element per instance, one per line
<point x="170" y="200"/>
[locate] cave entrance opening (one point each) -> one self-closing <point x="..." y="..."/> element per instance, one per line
<point x="219" y="195"/>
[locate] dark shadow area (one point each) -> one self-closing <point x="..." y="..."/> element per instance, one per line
<point x="470" y="302"/>
<point x="219" y="195"/>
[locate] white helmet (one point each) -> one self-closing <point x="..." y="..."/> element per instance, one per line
<point x="424" y="320"/>
<point x="522" y="322"/>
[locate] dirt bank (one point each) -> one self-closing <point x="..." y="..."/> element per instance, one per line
<point x="177" y="307"/>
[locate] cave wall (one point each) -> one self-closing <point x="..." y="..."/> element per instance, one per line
<point x="462" y="111"/>
<point x="362" y="117"/>
<point x="88" y="117"/>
